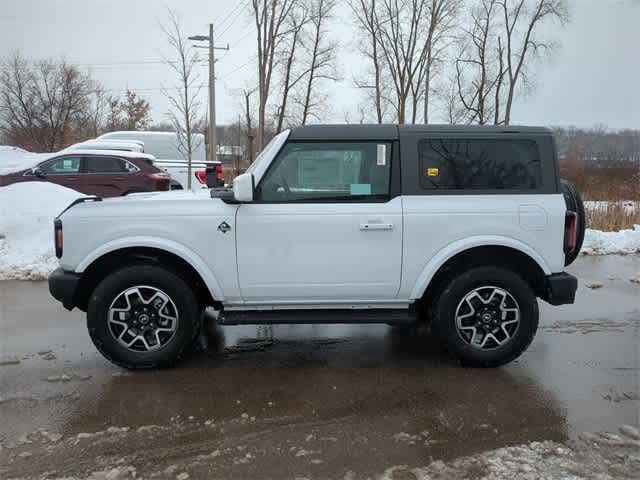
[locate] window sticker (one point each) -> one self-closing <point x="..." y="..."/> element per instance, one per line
<point x="432" y="172"/>
<point x="360" y="189"/>
<point x="382" y="154"/>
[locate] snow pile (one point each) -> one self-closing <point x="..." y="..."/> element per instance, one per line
<point x="14" y="159"/>
<point x="623" y="242"/>
<point x="27" y="211"/>
<point x="600" y="456"/>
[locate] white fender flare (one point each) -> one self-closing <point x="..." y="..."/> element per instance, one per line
<point x="160" y="244"/>
<point x="448" y="252"/>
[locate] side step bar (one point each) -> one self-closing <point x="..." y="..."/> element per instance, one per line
<point x="271" y="317"/>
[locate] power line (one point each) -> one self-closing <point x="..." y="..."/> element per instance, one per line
<point x="120" y="62"/>
<point x="239" y="12"/>
<point x="249" y="32"/>
<point x="126" y="64"/>
<point x="240" y="67"/>
<point x="150" y="88"/>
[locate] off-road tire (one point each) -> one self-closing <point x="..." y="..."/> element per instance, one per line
<point x="190" y="313"/>
<point x="452" y="293"/>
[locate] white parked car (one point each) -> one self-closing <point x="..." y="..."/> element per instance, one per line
<point x="164" y="146"/>
<point x="121" y="145"/>
<point x="461" y="227"/>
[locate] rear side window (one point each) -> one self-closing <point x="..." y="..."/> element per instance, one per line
<point x="107" y="165"/>
<point x="479" y="164"/>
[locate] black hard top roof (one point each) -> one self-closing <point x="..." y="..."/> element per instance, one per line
<point x="392" y="132"/>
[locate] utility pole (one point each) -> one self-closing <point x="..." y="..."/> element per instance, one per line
<point x="212" y="87"/>
<point x="212" y="97"/>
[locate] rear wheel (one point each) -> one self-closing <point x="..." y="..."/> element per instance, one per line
<point x="486" y="316"/>
<point x="143" y="316"/>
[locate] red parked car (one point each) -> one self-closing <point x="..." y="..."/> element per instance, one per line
<point x="100" y="173"/>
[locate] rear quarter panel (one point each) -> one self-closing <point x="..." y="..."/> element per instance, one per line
<point x="436" y="227"/>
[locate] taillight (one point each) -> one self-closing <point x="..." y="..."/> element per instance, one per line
<point x="159" y="176"/>
<point x="161" y="179"/>
<point x="58" y="238"/>
<point x="201" y="175"/>
<point x="570" y="231"/>
<point x="219" y="172"/>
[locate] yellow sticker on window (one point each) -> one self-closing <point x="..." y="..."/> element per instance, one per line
<point x="433" y="172"/>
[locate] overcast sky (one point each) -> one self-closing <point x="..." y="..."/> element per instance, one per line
<point x="593" y="79"/>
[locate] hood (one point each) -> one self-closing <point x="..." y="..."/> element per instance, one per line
<point x="151" y="204"/>
<point x="172" y="195"/>
<point x="18" y="161"/>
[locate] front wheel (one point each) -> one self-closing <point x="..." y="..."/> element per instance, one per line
<point x="486" y="316"/>
<point x="143" y="316"/>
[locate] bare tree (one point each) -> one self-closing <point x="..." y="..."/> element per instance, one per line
<point x="497" y="53"/>
<point x="521" y="19"/>
<point x="130" y="113"/>
<point x="399" y="26"/>
<point x="448" y="95"/>
<point x="442" y="16"/>
<point x="270" y="20"/>
<point x="93" y="122"/>
<point x="113" y="113"/>
<point x="364" y="12"/>
<point x="136" y="111"/>
<point x="184" y="100"/>
<point x="406" y="40"/>
<point x="42" y="103"/>
<point x="295" y="22"/>
<point x="475" y="78"/>
<point x="322" y="52"/>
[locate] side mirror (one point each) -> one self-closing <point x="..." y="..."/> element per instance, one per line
<point x="37" y="171"/>
<point x="243" y="187"/>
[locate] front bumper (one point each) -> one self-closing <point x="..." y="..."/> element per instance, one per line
<point x="63" y="286"/>
<point x="561" y="288"/>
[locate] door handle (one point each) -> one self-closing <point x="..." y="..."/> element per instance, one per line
<point x="376" y="226"/>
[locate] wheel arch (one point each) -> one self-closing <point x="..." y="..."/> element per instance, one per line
<point x="466" y="254"/>
<point x="178" y="258"/>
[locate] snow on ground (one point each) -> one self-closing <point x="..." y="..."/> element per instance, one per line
<point x="27" y="211"/>
<point x="602" y="243"/>
<point x="600" y="456"/>
<point x="591" y="456"/>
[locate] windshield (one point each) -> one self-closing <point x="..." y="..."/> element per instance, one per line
<point x="263" y="154"/>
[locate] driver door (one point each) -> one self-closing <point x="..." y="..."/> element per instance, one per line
<point x="323" y="227"/>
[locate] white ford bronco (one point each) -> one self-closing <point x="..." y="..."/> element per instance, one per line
<point x="462" y="228"/>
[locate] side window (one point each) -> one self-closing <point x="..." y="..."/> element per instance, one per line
<point x="479" y="164"/>
<point x="106" y="165"/>
<point x="62" y="166"/>
<point x="328" y="171"/>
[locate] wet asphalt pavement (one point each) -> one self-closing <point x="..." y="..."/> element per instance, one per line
<point x="309" y="401"/>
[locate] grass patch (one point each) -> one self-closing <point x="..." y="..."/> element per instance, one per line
<point x="612" y="216"/>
